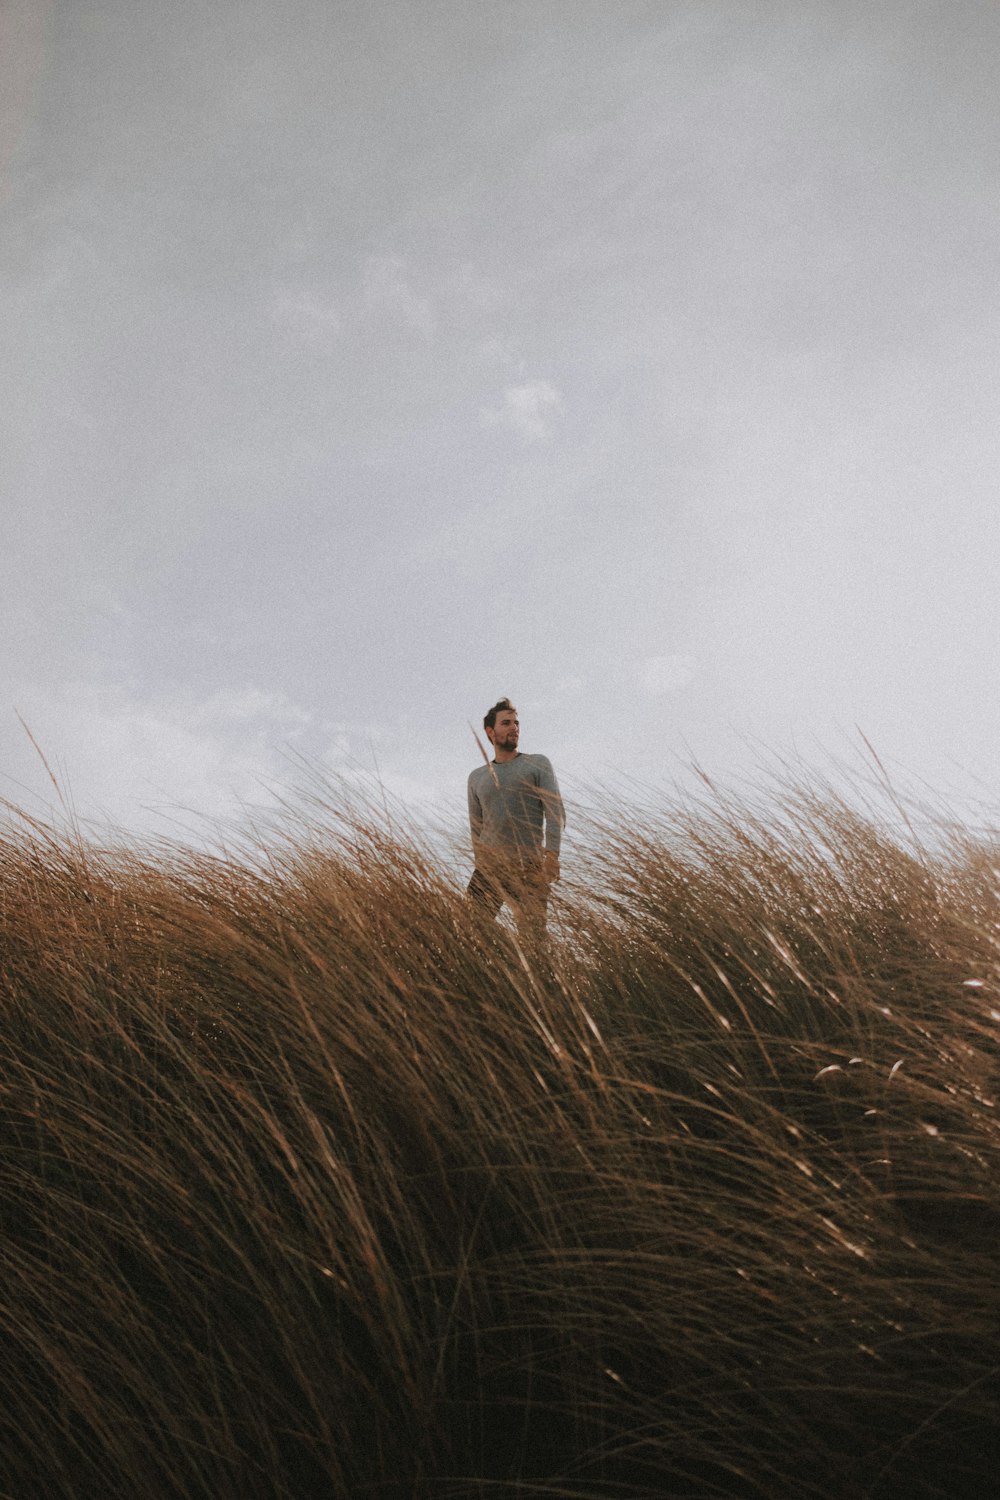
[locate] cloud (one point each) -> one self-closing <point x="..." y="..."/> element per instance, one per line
<point x="571" y="686"/>
<point x="387" y="291"/>
<point x="527" y="409"/>
<point x="664" y="674"/>
<point x="306" y="317"/>
<point x="252" y="705"/>
<point x="141" y="759"/>
<point x="182" y="766"/>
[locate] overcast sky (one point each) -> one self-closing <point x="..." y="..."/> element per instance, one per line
<point x="364" y="360"/>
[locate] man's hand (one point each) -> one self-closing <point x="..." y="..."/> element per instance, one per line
<point x="550" y="869"/>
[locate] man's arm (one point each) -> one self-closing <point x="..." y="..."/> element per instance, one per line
<point x="555" y="815"/>
<point x="475" y="818"/>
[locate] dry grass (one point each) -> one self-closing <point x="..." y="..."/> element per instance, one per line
<point x="313" y="1186"/>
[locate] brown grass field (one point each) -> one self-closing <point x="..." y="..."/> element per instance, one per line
<point x="314" y="1186"/>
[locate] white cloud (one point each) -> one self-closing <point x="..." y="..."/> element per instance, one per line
<point x="306" y="317"/>
<point x="177" y="765"/>
<point x="139" y="760"/>
<point x="247" y="705"/>
<point x="527" y="409"/>
<point x="664" y="674"/>
<point x="387" y="291"/>
<point x="570" y="686"/>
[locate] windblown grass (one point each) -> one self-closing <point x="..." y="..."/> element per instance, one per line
<point x="314" y="1186"/>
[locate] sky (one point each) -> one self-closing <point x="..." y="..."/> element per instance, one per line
<point x="364" y="361"/>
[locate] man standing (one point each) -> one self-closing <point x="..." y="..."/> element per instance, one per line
<point x="516" y="817"/>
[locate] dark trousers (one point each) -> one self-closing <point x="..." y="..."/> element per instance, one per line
<point x="518" y="879"/>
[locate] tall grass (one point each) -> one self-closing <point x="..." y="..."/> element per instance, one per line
<point x="314" y="1185"/>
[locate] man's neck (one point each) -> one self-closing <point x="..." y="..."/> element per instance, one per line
<point x="502" y="756"/>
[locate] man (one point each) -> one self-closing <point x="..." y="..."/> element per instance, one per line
<point x="510" y="801"/>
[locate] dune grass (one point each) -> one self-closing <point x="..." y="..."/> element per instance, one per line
<point x="314" y="1185"/>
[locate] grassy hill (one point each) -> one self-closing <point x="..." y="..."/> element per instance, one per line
<point x="315" y="1186"/>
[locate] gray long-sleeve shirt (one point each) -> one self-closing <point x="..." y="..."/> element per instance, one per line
<point x="510" y="800"/>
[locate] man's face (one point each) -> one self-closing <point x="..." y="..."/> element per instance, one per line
<point x="505" y="731"/>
